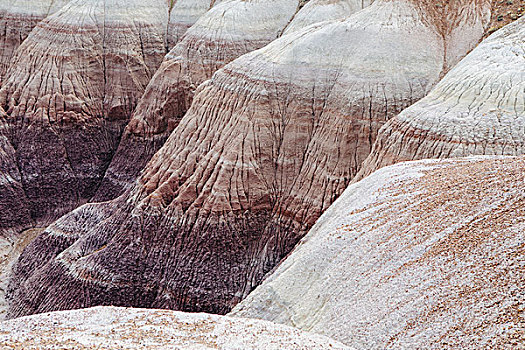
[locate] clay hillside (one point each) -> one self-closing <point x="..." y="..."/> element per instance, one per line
<point x="229" y="30"/>
<point x="70" y="88"/>
<point x="17" y="19"/>
<point x="177" y="154"/>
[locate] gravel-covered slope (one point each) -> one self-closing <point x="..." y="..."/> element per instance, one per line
<point x="418" y="255"/>
<point x="112" y="328"/>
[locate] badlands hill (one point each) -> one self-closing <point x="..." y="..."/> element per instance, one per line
<point x="269" y="142"/>
<point x="113" y="328"/>
<point x="70" y="89"/>
<point x="418" y="255"/>
<point x="478" y="108"/>
<point x="184" y="14"/>
<point x="229" y="30"/>
<point x="68" y="92"/>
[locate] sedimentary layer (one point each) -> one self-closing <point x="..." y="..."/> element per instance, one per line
<point x="478" y="108"/>
<point x="114" y="328"/>
<point x="418" y="255"/>
<point x="270" y="141"/>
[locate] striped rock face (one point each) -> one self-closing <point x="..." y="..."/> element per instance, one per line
<point x="114" y="328"/>
<point x="15" y="215"/>
<point x="316" y="11"/>
<point x="17" y="19"/>
<point x="418" y="255"/>
<point x="228" y="31"/>
<point x="71" y="87"/>
<point x="267" y="145"/>
<point x="478" y="108"/>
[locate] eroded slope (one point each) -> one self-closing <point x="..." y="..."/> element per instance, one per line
<point x="71" y="87"/>
<point x="184" y="14"/>
<point x="15" y="214"/>
<point x="17" y="19"/>
<point x="316" y="11"/>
